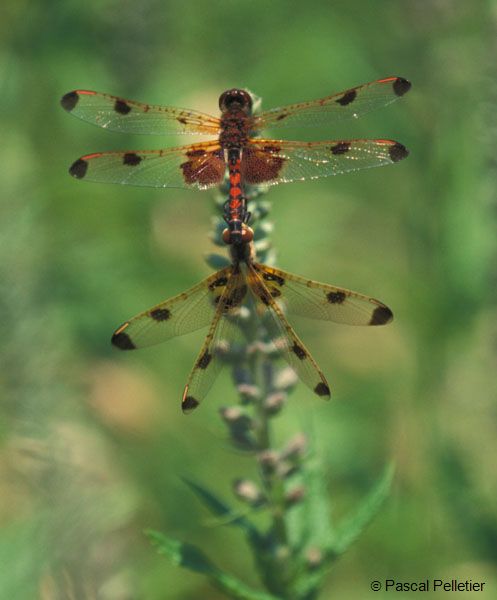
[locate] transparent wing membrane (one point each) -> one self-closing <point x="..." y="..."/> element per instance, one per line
<point x="129" y="116"/>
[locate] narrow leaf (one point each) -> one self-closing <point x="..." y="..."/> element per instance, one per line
<point x="350" y="529"/>
<point x="222" y="510"/>
<point x="180" y="554"/>
<point x="190" y="557"/>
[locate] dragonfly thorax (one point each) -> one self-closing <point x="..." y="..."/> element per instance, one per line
<point x="234" y="129"/>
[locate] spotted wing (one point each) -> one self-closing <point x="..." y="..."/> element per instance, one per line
<point x="272" y="162"/>
<point x="128" y="116"/>
<point x="315" y="300"/>
<point x="223" y="330"/>
<point x="332" y="109"/>
<point x="199" y="165"/>
<point x="283" y="336"/>
<point x="181" y="314"/>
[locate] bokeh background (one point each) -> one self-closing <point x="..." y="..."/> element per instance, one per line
<point x="93" y="444"/>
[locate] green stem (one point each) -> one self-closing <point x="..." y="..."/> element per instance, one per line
<point x="279" y="571"/>
<point x="262" y="425"/>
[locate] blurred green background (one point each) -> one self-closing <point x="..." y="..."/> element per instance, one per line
<point x="93" y="443"/>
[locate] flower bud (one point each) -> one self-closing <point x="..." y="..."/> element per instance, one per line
<point x="232" y="414"/>
<point x="274" y="403"/>
<point x="248" y="392"/>
<point x="240" y="427"/>
<point x="248" y="492"/>
<point x="296" y="448"/>
<point x="286" y="469"/>
<point x="285" y="379"/>
<point x="268" y="460"/>
<point x="294" y="496"/>
<point x="313" y="557"/>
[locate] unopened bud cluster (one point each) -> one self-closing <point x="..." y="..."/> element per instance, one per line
<point x="278" y="468"/>
<point x="263" y="389"/>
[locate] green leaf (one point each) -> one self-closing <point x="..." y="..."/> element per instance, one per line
<point x="350" y="529"/>
<point x="180" y="554"/>
<point x="190" y="557"/>
<point x="339" y="541"/>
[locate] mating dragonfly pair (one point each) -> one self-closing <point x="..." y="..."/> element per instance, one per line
<point x="247" y="160"/>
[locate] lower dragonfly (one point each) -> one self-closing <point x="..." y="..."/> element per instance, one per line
<point x="221" y="300"/>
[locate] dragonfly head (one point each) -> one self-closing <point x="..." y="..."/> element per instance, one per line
<point x="235" y="99"/>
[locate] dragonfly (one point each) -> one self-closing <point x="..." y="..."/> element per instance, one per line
<point x="236" y="151"/>
<point x="221" y="302"/>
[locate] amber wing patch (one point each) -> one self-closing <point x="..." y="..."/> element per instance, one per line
<point x="262" y="163"/>
<point x="203" y="167"/>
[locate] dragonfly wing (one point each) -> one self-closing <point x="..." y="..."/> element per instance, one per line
<point x="128" y="116"/>
<point x="315" y="300"/>
<point x="198" y="165"/>
<point x="291" y="348"/>
<point x="223" y="331"/>
<point x="272" y="162"/>
<point x="330" y="110"/>
<point x="186" y="312"/>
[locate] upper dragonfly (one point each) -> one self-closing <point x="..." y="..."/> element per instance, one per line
<point x="219" y="301"/>
<point x="249" y="160"/>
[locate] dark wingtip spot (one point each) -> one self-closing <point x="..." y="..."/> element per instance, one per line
<point x="160" y="314"/>
<point x="131" y="159"/>
<point x="401" y="86"/>
<point x="347" y="98"/>
<point x="336" y="297"/>
<point x="381" y="316"/>
<point x="78" y="168"/>
<point x="122" y="341"/>
<point x="322" y="389"/>
<point x="122" y="107"/>
<point x="204" y="360"/>
<point x="189" y="403"/>
<point x="398" y="152"/>
<point x="69" y="101"/>
<point x="340" y="148"/>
